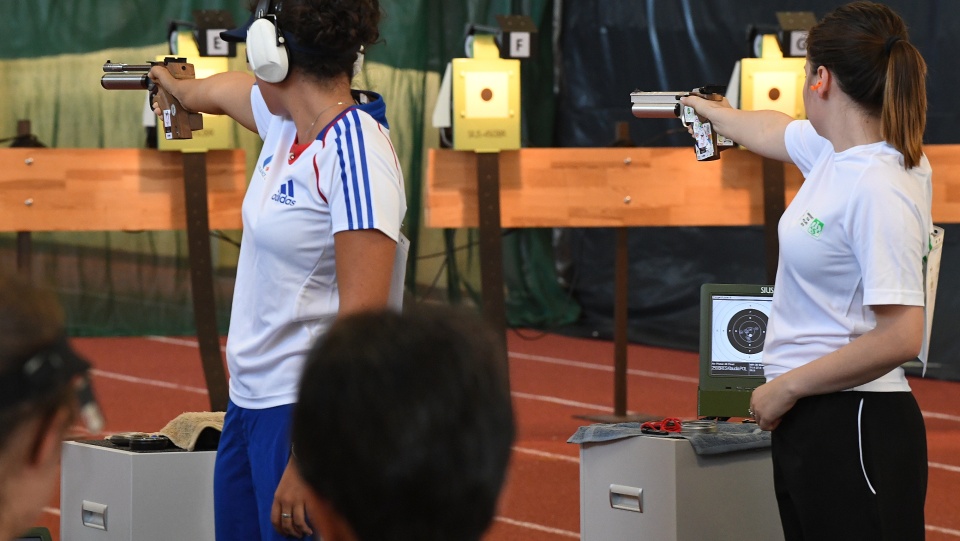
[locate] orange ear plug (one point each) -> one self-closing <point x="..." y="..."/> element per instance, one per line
<point x="816" y="86"/>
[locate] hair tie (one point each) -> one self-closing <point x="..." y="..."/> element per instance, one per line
<point x="890" y="41"/>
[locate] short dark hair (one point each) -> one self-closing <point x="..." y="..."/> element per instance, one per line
<point x="867" y="48"/>
<point x="404" y="423"/>
<point x="338" y="28"/>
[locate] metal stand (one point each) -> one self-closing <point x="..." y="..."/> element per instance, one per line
<point x="201" y="277"/>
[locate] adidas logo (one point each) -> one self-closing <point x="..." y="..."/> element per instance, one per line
<point x="285" y="195"/>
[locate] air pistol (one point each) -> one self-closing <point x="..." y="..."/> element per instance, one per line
<point x="666" y="104"/>
<point x="178" y="123"/>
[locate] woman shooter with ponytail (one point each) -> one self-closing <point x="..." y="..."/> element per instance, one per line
<point x="849" y="444"/>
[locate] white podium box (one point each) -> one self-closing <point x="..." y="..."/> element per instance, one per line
<point x="110" y="494"/>
<point x="658" y="489"/>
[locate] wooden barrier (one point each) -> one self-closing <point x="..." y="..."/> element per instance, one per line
<point x="46" y="189"/>
<point x="633" y="187"/>
<point x="617" y="187"/>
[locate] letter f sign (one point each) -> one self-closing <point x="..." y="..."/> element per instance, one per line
<point x="520" y="45"/>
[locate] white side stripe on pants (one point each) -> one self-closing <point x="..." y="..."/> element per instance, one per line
<point x="860" y="441"/>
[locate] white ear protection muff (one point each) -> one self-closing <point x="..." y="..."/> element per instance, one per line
<point x="267" y="48"/>
<point x="266" y="51"/>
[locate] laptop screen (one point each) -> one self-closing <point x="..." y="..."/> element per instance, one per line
<point x="733" y="328"/>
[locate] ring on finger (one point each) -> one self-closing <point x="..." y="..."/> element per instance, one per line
<point x="286" y="515"/>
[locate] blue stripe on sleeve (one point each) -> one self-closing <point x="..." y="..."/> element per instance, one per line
<point x="343" y="177"/>
<point x="353" y="171"/>
<point x="366" y="172"/>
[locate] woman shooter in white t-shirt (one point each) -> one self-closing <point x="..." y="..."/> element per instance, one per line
<point x="321" y="222"/>
<point x="849" y="444"/>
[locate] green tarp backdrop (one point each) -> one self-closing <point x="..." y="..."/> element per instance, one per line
<point x="134" y="283"/>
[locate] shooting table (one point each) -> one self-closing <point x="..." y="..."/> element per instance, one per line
<point x="636" y="187"/>
<point x="46" y="189"/>
<point x="660" y="489"/>
<point x="112" y="494"/>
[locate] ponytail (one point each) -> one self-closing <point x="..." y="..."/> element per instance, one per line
<point x="903" y="116"/>
<point x="865" y="45"/>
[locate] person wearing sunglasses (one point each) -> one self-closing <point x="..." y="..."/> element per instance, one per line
<point x="44" y="389"/>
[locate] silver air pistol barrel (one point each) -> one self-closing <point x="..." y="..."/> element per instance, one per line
<point x="656" y="104"/>
<point x="118" y="76"/>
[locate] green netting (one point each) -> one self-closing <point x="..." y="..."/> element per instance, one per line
<point x="137" y="283"/>
<point x="135" y="289"/>
<point x="40" y="28"/>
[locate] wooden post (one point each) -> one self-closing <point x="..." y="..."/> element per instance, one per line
<point x="201" y="277"/>
<point x="621" y="304"/>
<point x="24" y="240"/>
<point x="491" y="245"/>
<point x="774" y="203"/>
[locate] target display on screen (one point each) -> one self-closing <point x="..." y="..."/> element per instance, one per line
<point x="738" y="333"/>
<point x="746" y="331"/>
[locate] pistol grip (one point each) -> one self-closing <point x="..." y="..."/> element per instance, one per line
<point x="178" y="123"/>
<point x="706" y="145"/>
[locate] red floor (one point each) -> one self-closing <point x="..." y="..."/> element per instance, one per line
<point x="142" y="383"/>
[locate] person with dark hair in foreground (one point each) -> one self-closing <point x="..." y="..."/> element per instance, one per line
<point x="848" y="444"/>
<point x="404" y="426"/>
<point x="41" y="382"/>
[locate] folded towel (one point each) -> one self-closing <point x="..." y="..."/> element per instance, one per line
<point x="195" y="431"/>
<point x="729" y="437"/>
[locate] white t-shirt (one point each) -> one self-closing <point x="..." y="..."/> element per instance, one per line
<point x="853" y="237"/>
<point x="286" y="291"/>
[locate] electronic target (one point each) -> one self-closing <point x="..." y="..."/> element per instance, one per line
<point x="738" y="334"/>
<point x="733" y="331"/>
